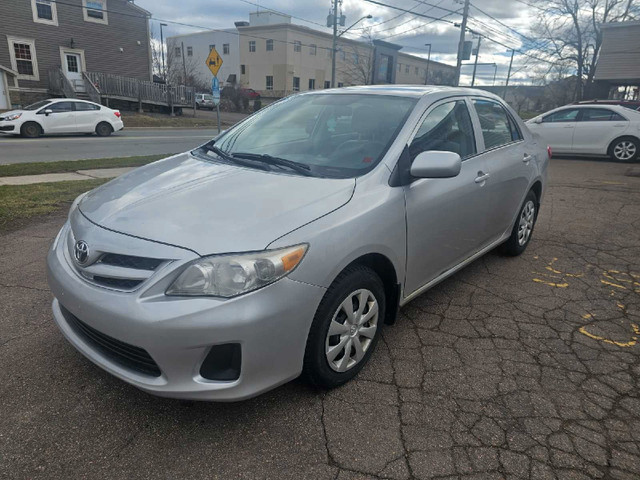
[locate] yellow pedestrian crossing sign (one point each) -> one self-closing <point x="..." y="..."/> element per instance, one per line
<point x="214" y="62"/>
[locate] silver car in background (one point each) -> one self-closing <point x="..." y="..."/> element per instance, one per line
<point x="284" y="245"/>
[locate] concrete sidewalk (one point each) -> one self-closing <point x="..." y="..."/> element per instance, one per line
<point x="66" y="176"/>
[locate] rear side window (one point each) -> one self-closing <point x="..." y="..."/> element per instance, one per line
<point x="498" y="128"/>
<point x="447" y="128"/>
<point x="568" y="115"/>
<point x="600" y="115"/>
<point x="85" y="107"/>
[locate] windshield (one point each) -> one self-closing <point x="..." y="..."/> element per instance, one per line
<point x="37" y="105"/>
<point x="208" y="97"/>
<point x="335" y="135"/>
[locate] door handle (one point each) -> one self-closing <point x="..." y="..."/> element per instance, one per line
<point x="527" y="158"/>
<point x="481" y="177"/>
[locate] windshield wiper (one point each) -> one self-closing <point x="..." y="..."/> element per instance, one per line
<point x="228" y="157"/>
<point x="281" y="162"/>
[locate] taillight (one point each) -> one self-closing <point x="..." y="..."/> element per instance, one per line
<point x="549" y="152"/>
<point x="117" y="114"/>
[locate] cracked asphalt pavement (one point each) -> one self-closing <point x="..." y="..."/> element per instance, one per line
<point x="514" y="368"/>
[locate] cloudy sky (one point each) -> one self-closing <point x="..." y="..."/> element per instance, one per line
<point x="411" y="31"/>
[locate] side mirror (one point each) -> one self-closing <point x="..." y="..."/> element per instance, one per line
<point x="538" y="120"/>
<point x="435" y="164"/>
<point x="48" y="112"/>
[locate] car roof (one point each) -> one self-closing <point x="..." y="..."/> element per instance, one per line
<point x="410" y="91"/>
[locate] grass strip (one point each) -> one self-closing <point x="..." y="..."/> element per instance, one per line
<point x="37" y="168"/>
<point x="142" y="120"/>
<point x="19" y="203"/>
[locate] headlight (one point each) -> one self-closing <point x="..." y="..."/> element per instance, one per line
<point x="231" y="275"/>
<point x="13" y="116"/>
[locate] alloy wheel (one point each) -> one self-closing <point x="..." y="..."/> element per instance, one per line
<point x="525" y="226"/>
<point x="351" y="330"/>
<point x="624" y="150"/>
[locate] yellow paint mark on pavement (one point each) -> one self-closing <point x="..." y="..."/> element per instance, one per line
<point x="630" y="343"/>
<point x="551" y="284"/>
<point x="613" y="284"/>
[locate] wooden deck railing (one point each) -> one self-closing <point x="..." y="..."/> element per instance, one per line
<point x="92" y="90"/>
<point x="59" y="84"/>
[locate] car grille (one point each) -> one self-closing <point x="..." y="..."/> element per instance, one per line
<point x="128" y="261"/>
<point x="129" y="356"/>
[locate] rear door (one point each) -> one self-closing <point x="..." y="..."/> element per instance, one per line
<point x="557" y="129"/>
<point x="446" y="217"/>
<point x="62" y="118"/>
<point x="597" y="127"/>
<point x="510" y="163"/>
<point x="87" y="116"/>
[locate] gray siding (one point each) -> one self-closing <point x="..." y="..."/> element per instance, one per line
<point x="620" y="54"/>
<point x="101" y="43"/>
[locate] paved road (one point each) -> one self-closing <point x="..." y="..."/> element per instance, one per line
<point x="518" y="368"/>
<point x="126" y="143"/>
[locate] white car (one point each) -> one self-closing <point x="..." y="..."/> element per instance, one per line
<point x="591" y="130"/>
<point x="61" y="115"/>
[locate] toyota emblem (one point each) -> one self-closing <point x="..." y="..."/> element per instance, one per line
<point x="81" y="251"/>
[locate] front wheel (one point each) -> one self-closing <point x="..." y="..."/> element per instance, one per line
<point x="346" y="328"/>
<point x="31" y="130"/>
<point x="625" y="149"/>
<point x="523" y="228"/>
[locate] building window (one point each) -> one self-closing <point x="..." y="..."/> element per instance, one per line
<point x="296" y="84"/>
<point x="312" y="84"/>
<point x="44" y="11"/>
<point x="178" y="52"/>
<point x="269" y="82"/>
<point x="95" y="11"/>
<point x="417" y="71"/>
<point x="327" y="84"/>
<point x="356" y="59"/>
<point x="297" y="46"/>
<point x="225" y="48"/>
<point x="269" y="45"/>
<point x="406" y="69"/>
<point x="340" y="84"/>
<point x="211" y="47"/>
<point x="312" y="49"/>
<point x="252" y="45"/>
<point x="189" y="51"/>
<point x="242" y="70"/>
<point x="23" y="58"/>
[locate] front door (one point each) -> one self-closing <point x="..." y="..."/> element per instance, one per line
<point x="62" y="118"/>
<point x="73" y="70"/>
<point x="446" y="217"/>
<point x="557" y="129"/>
<point x="4" y="95"/>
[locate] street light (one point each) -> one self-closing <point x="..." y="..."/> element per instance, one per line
<point x="164" y="71"/>
<point x="426" y="75"/>
<point x="335" y="39"/>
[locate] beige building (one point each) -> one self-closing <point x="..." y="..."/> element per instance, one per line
<point x="275" y="57"/>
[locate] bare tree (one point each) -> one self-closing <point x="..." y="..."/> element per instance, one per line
<point x="356" y="61"/>
<point x="182" y="69"/>
<point x="156" y="53"/>
<point x="572" y="32"/>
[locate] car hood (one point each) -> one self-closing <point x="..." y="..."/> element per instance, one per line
<point x="210" y="207"/>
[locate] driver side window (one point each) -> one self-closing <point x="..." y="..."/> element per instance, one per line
<point x="446" y="128"/>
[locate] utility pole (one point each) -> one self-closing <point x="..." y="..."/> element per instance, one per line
<point x="335" y="39"/>
<point x="184" y="65"/>
<point x="475" y="63"/>
<point x="164" y="70"/>
<point x="506" y="84"/>
<point x="463" y="29"/>
<point x="426" y="75"/>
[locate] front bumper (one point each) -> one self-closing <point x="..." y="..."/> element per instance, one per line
<point x="270" y="324"/>
<point x="7" y="128"/>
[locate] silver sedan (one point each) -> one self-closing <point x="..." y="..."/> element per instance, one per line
<point x="285" y="244"/>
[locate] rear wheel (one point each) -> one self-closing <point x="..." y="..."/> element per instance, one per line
<point x="31" y="130"/>
<point x="104" y="129"/>
<point x="346" y="328"/>
<point x="523" y="228"/>
<point x="625" y="149"/>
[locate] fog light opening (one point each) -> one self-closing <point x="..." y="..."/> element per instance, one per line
<point x="222" y="363"/>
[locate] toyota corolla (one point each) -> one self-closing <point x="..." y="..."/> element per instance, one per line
<point x="283" y="246"/>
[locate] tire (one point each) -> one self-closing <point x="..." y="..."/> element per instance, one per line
<point x="625" y="149"/>
<point x="523" y="229"/>
<point x="31" y="130"/>
<point x="325" y="360"/>
<point x="103" y="129"/>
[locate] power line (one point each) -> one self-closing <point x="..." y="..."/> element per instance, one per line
<point x="408" y="21"/>
<point x="408" y="11"/>
<point x="504" y="24"/>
